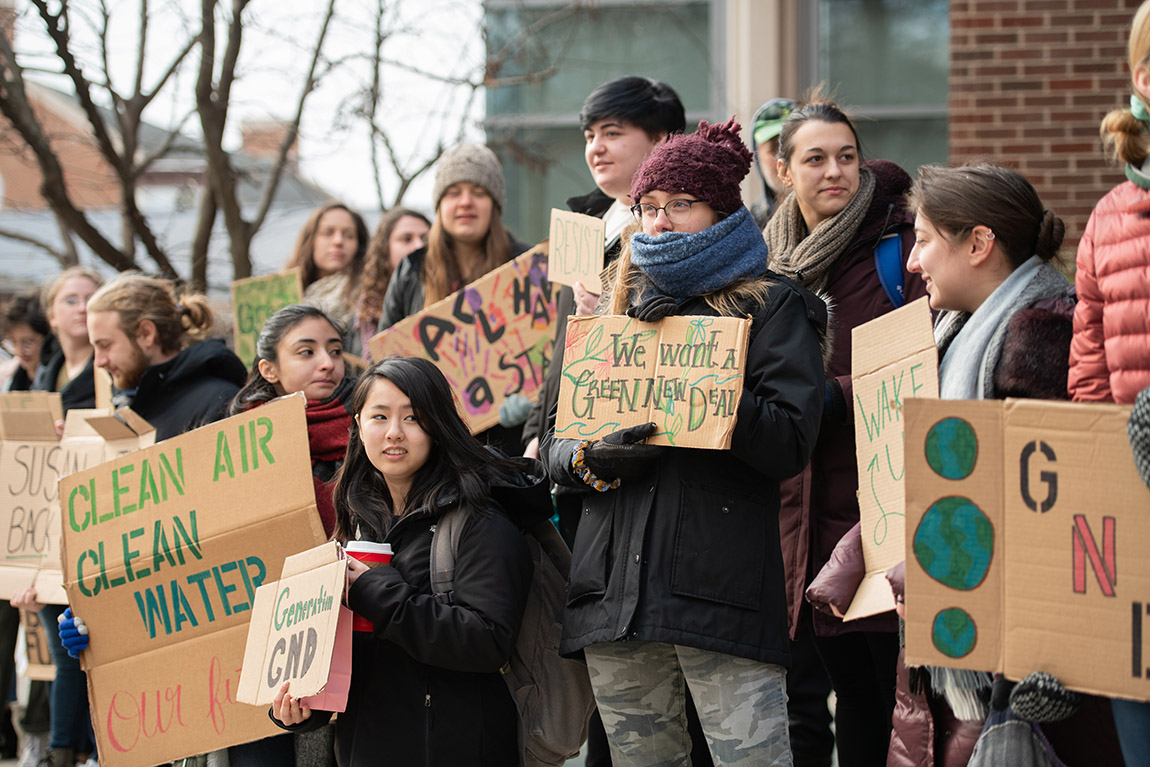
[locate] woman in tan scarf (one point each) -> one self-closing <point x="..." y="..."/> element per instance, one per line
<point x="823" y="235"/>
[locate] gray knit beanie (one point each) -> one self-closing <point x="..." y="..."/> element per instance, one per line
<point x="469" y="162"/>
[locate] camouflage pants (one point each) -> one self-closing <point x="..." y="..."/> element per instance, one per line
<point x="639" y="687"/>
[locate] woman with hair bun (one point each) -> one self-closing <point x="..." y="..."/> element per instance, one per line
<point x="985" y="248"/>
<point x="1110" y="353"/>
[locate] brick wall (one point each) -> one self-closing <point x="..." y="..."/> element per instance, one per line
<point x="1030" y="81"/>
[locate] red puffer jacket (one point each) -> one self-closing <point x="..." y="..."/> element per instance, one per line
<point x="1110" y="353"/>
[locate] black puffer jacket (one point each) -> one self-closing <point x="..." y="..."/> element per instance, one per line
<point x="425" y="686"/>
<point x="690" y="553"/>
<point x="189" y="390"/>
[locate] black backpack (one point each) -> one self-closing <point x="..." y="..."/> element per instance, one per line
<point x="552" y="693"/>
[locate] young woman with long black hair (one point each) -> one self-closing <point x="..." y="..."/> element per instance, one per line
<point x="426" y="687"/>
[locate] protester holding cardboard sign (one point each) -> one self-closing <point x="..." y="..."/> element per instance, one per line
<point x="330" y="256"/>
<point x="301" y="349"/>
<point x="70" y="371"/>
<point x="425" y="685"/>
<point x="678" y="552"/>
<point x="824" y="234"/>
<point x="984" y="247"/>
<point x="467" y="240"/>
<point x="1110" y="353"/>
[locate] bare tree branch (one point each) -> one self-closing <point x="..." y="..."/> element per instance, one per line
<point x="293" y="129"/>
<point x="15" y="106"/>
<point x="9" y="234"/>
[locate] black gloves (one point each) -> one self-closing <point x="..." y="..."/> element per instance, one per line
<point x="621" y="454"/>
<point x="653" y="309"/>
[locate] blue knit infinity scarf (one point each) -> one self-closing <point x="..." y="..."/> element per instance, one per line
<point x="683" y="265"/>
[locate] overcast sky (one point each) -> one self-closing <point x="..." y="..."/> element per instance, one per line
<point x="437" y="36"/>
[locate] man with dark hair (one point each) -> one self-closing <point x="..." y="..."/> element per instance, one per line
<point x="622" y="121"/>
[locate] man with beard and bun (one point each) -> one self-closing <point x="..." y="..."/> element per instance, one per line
<point x="155" y="346"/>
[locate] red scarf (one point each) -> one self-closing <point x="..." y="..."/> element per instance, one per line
<point x="327" y="429"/>
<point x="328" y="422"/>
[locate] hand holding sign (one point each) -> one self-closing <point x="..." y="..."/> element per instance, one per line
<point x="622" y="454"/>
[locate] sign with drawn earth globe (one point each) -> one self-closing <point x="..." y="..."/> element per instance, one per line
<point x="951" y="448"/>
<point x="954" y="632"/>
<point x="954" y="542"/>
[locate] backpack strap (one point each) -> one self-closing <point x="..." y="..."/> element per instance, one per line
<point x="888" y="264"/>
<point x="444" y="545"/>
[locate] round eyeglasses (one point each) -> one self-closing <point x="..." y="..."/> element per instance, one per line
<point x="678" y="211"/>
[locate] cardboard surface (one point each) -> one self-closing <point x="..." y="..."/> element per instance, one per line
<point x="575" y="248"/>
<point x="291" y="637"/>
<point x="31" y="462"/>
<point x="254" y="299"/>
<point x="491" y="339"/>
<point x="1055" y="546"/>
<point x="683" y="373"/>
<point x="33" y="400"/>
<point x="40" y="666"/>
<point x="163" y="551"/>
<point x="893" y="358"/>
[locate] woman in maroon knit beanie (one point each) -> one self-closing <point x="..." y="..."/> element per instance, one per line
<point x="301" y="350"/>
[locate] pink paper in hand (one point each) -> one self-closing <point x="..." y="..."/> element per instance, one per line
<point x="334" y="694"/>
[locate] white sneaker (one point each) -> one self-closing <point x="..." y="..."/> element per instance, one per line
<point x="33" y="749"/>
<point x="92" y="762"/>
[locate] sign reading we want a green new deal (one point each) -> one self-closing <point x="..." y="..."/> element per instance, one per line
<point x="163" y="551"/>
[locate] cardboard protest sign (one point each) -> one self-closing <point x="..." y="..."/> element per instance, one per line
<point x="163" y="551"/>
<point x="575" y="248"/>
<point x="33" y="400"/>
<point x="683" y="373"/>
<point x="491" y="339"/>
<point x="254" y="300"/>
<point x="892" y="358"/>
<point x="1021" y="516"/>
<point x="292" y="634"/>
<point x="31" y="461"/>
<point x="40" y="666"/>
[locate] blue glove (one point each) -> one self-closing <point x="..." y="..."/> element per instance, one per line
<point x="73" y="633"/>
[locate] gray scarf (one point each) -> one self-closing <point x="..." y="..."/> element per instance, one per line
<point x="807" y="258"/>
<point x="960" y="372"/>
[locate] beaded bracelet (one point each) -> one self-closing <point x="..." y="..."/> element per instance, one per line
<point x="580" y="468"/>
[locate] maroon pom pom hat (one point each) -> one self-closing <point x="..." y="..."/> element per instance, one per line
<point x="707" y="164"/>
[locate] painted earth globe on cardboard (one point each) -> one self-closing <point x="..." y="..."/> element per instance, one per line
<point x="951" y="448"/>
<point x="954" y="543"/>
<point x="954" y="632"/>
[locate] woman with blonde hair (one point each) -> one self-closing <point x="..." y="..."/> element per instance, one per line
<point x="1110" y="351"/>
<point x="69" y="370"/>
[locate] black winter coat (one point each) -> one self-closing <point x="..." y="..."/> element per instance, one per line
<point x="80" y="392"/>
<point x="191" y="389"/>
<point x="690" y="554"/>
<point x="404" y="295"/>
<point x="425" y="686"/>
